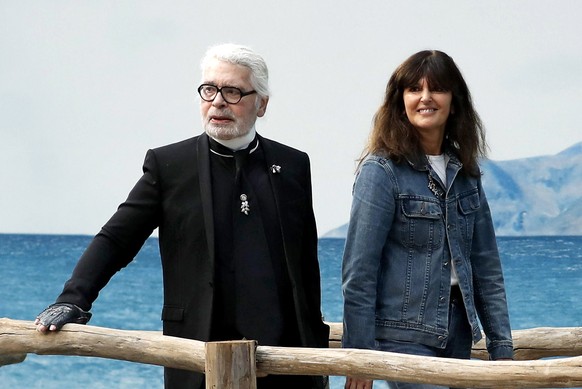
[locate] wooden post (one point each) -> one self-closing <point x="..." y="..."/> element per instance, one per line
<point x="231" y="365"/>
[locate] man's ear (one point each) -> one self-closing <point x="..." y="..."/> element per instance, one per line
<point x="262" y="106"/>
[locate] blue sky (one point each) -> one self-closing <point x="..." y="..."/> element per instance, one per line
<point x="87" y="87"/>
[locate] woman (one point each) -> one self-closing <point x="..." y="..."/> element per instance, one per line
<point x="421" y="264"/>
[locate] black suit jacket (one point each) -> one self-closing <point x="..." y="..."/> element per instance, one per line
<point x="175" y="195"/>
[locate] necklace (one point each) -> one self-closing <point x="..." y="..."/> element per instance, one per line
<point x="439" y="164"/>
<point x="434" y="187"/>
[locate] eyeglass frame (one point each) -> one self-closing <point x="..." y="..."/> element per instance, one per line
<point x="219" y="90"/>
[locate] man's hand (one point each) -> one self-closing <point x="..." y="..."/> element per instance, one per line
<point x="59" y="314"/>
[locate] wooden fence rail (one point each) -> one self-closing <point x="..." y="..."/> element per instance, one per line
<point x="534" y="343"/>
<point x="19" y="338"/>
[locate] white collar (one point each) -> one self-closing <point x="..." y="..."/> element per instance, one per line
<point x="239" y="143"/>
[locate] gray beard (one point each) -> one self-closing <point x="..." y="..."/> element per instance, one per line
<point x="225" y="133"/>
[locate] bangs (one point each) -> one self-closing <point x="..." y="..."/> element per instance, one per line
<point x="436" y="72"/>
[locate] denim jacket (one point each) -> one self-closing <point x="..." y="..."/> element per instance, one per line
<point x="403" y="240"/>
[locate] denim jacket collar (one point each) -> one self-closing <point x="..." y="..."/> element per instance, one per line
<point x="423" y="164"/>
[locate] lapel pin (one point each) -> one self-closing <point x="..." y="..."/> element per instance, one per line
<point x="244" y="204"/>
<point x="275" y="169"/>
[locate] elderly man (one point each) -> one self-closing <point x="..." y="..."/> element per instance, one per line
<point x="237" y="232"/>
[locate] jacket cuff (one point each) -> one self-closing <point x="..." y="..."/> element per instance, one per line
<point x="501" y="351"/>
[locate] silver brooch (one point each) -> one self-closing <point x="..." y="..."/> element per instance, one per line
<point x="244" y="204"/>
<point x="275" y="169"/>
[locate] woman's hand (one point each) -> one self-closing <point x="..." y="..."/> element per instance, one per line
<point x="358" y="383"/>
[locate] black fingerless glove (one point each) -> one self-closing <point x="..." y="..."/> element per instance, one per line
<point x="60" y="314"/>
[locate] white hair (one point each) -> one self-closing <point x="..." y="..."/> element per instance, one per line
<point x="244" y="56"/>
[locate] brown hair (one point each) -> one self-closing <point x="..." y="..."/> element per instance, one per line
<point x="395" y="137"/>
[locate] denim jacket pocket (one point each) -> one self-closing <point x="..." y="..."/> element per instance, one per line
<point x="468" y="205"/>
<point x="422" y="219"/>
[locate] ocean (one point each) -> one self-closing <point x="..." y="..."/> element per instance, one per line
<point x="543" y="279"/>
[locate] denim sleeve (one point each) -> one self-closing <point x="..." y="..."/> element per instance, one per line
<point x="490" y="298"/>
<point x="371" y="216"/>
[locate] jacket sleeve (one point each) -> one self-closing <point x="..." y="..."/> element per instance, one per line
<point x="489" y="294"/>
<point x="371" y="218"/>
<point x="311" y="271"/>
<point x="118" y="242"/>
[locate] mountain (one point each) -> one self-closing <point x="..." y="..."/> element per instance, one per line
<point x="536" y="196"/>
<point x="530" y="196"/>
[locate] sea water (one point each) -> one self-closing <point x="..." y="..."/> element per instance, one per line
<point x="543" y="278"/>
